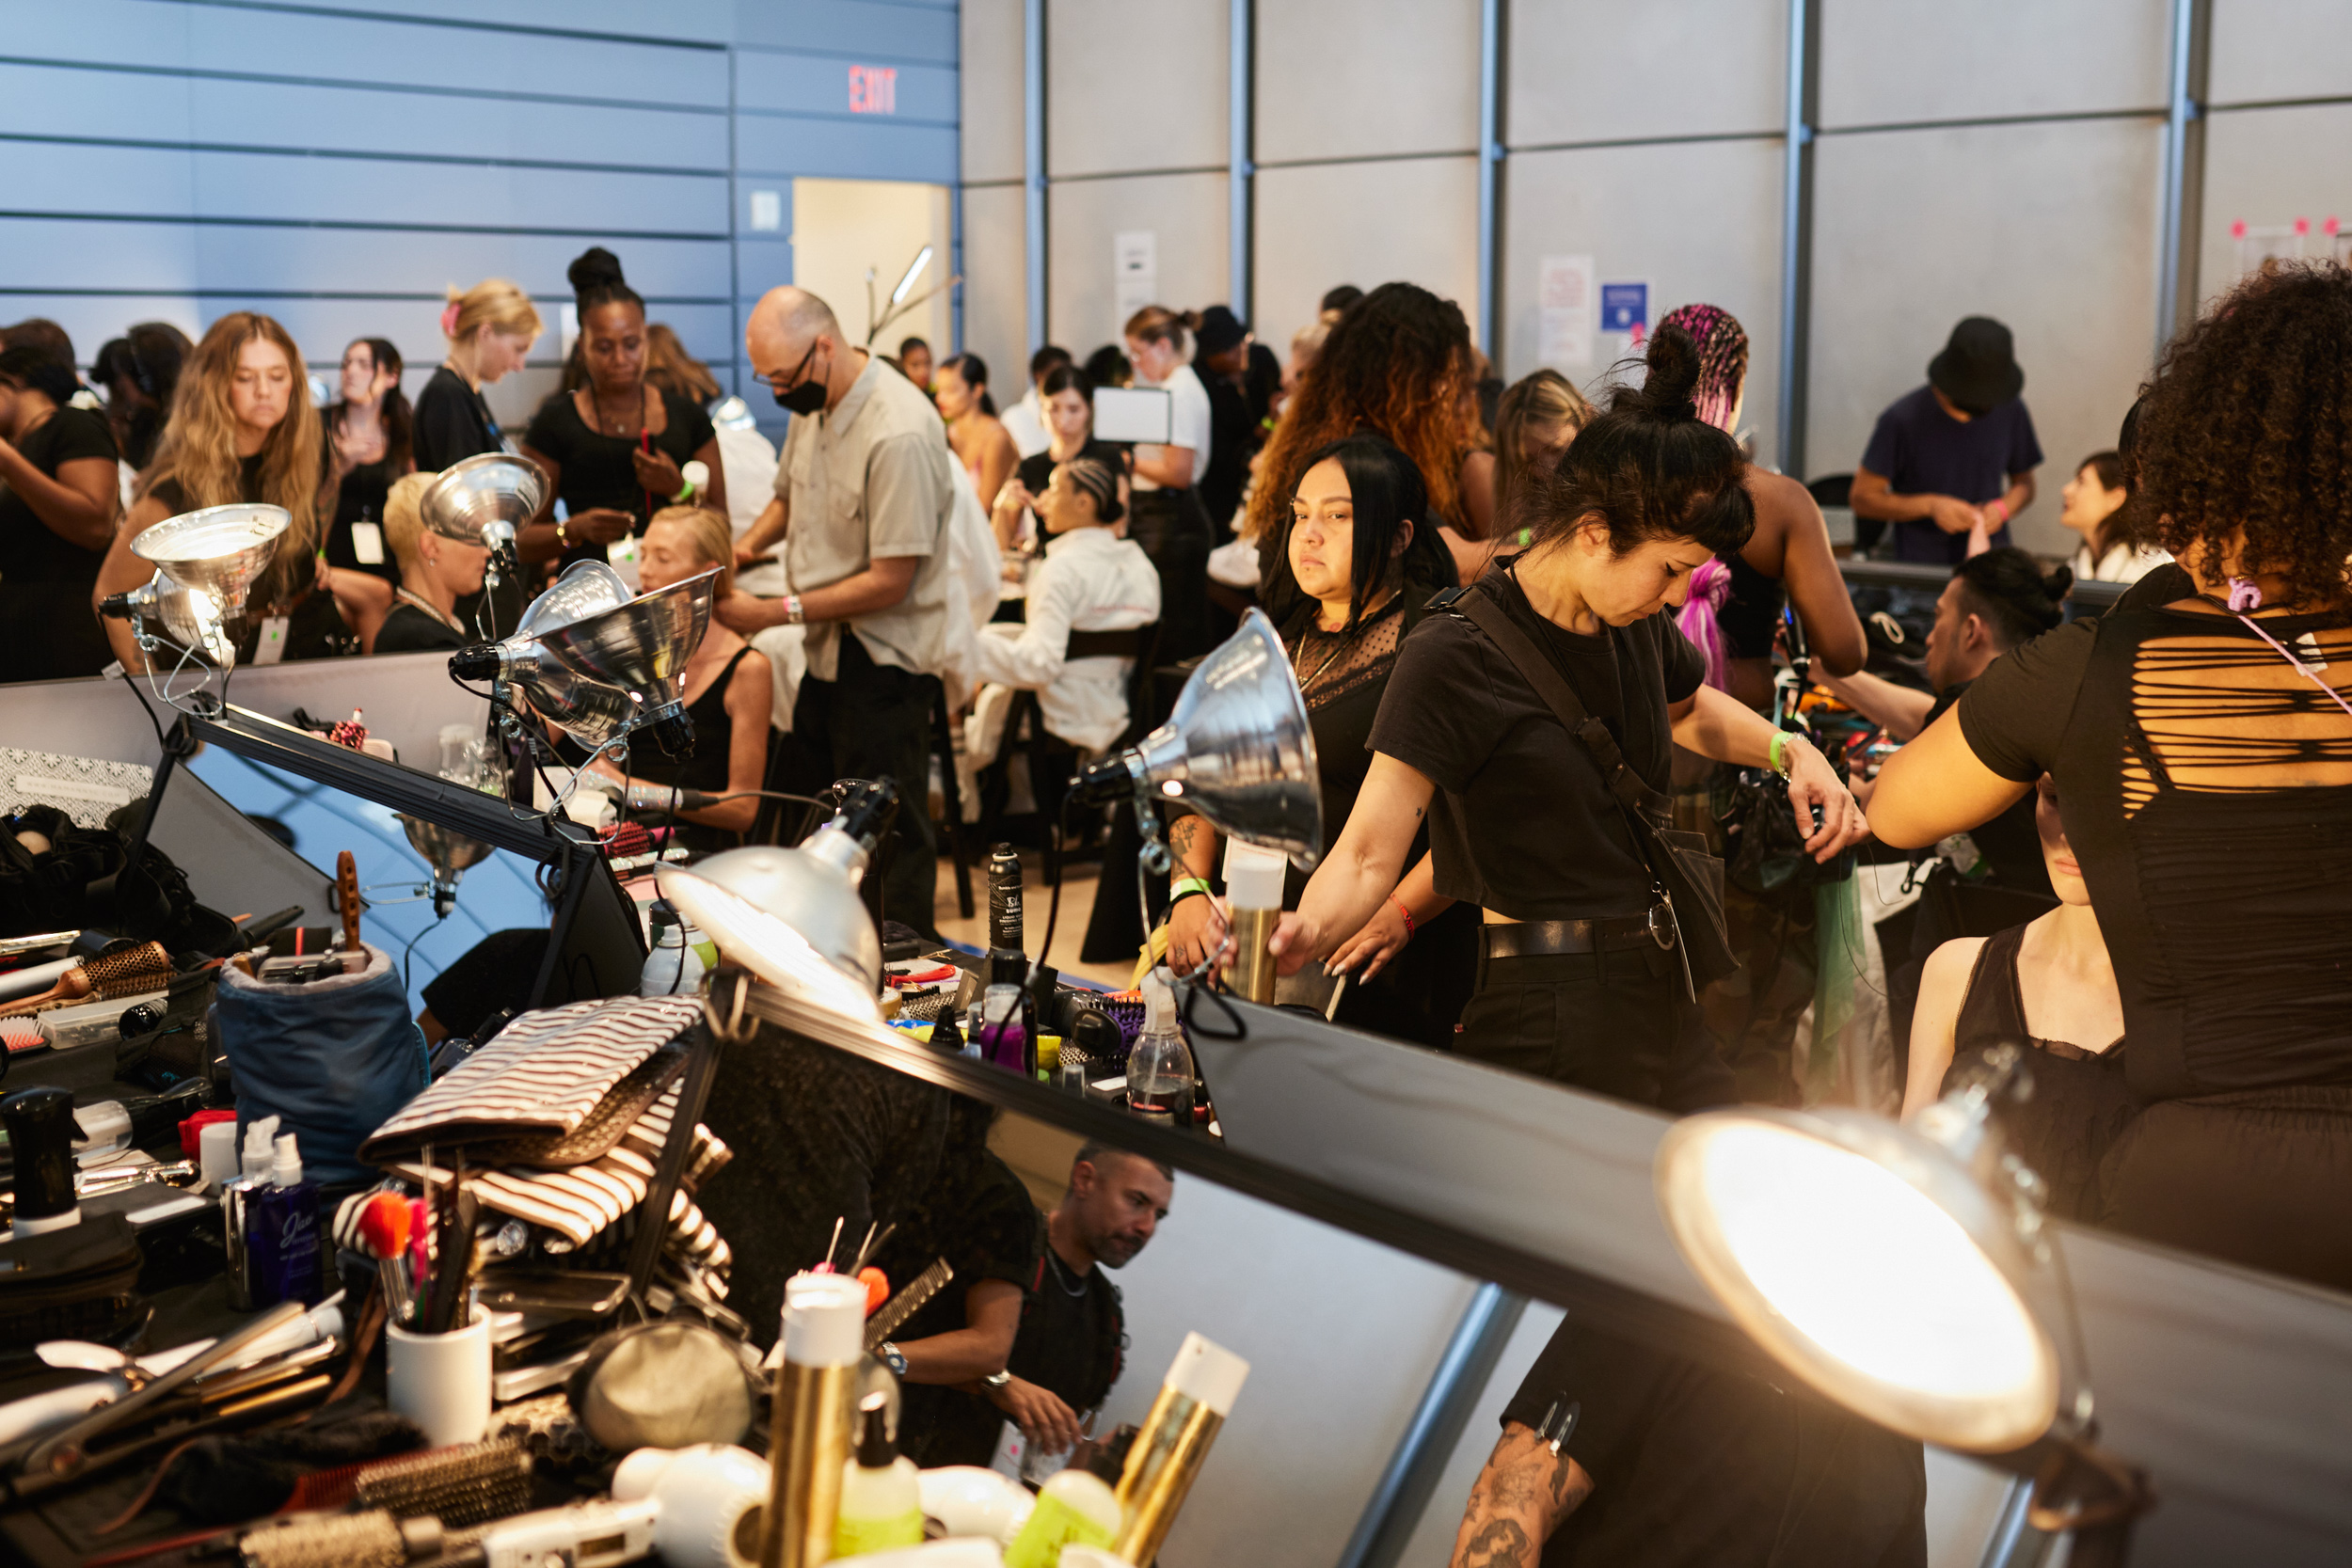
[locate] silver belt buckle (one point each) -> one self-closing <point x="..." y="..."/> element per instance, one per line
<point x="1662" y="926"/>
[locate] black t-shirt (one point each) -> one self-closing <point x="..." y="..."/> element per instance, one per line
<point x="46" y="581"/>
<point x="1232" y="431"/>
<point x="596" y="467"/>
<point x="315" y="629"/>
<point x="409" y="629"/>
<point x="1697" y="1468"/>
<point x="2011" y="843"/>
<point x="452" y="422"/>
<point x="1920" y="450"/>
<point x="1074" y="1332"/>
<point x="1036" y="469"/>
<point x="987" y="1232"/>
<point x="1522" y="823"/>
<point x="358" y="499"/>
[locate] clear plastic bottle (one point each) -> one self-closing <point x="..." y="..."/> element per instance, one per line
<point x="1159" y="1070"/>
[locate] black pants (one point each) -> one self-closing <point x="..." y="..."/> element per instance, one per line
<point x="1614" y="1023"/>
<point x="2260" y="1177"/>
<point x="1171" y="528"/>
<point x="872" y="721"/>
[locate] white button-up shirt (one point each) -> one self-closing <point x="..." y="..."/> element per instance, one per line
<point x="1089" y="580"/>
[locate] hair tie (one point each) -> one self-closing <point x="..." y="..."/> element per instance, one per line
<point x="449" y="319"/>
<point x="2243" y="595"/>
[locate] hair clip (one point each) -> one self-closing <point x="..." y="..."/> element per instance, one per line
<point x="2243" y="595"/>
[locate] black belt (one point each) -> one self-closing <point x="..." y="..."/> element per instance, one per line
<point x="1532" y="939"/>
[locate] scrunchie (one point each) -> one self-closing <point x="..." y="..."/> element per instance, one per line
<point x="449" y="319"/>
<point x="1711" y="588"/>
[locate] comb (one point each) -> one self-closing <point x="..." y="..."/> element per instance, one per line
<point x="899" y="1308"/>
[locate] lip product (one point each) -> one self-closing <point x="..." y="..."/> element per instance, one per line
<point x="824" y="1322"/>
<point x="1193" y="1403"/>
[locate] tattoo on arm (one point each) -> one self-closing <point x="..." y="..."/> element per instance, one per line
<point x="1500" y="1544"/>
<point x="1520" y="1498"/>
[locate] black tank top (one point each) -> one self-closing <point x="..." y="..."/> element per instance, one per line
<point x="1751" y="614"/>
<point x="2079" y="1103"/>
<point x="706" y="769"/>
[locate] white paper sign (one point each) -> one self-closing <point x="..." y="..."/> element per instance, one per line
<point x="1564" y="295"/>
<point x="1134" y="271"/>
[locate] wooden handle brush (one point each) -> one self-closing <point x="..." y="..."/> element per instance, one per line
<point x="145" y="967"/>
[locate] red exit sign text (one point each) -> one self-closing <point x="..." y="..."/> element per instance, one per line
<point x="873" y="89"/>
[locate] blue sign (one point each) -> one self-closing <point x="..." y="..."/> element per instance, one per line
<point x="1625" y="307"/>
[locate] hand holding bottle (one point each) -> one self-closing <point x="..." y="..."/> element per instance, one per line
<point x="1049" y="1424"/>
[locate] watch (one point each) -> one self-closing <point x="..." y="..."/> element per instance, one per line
<point x="893" y="1357"/>
<point x="793" y="614"/>
<point x="999" y="1379"/>
<point x="560" y="537"/>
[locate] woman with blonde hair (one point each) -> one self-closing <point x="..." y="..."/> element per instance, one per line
<point x="243" y="429"/>
<point x="490" y="329"/>
<point x="727" y="688"/>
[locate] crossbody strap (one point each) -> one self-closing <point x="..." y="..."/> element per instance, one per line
<point x="1631" y="791"/>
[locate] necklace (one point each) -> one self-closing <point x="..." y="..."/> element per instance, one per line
<point x="596" y="407"/>
<point x="1062" y="1275"/>
<point x="434" y="610"/>
<point x="1339" y="640"/>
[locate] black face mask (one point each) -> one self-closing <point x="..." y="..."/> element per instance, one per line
<point x="807" y="397"/>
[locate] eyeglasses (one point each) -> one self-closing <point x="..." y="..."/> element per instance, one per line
<point x="793" y="379"/>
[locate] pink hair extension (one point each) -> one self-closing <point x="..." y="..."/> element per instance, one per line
<point x="1723" y="345"/>
<point x="1710" y="586"/>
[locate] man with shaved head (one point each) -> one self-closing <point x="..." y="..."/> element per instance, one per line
<point x="862" y="503"/>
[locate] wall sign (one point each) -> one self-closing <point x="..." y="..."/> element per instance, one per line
<point x="1134" y="272"/>
<point x="1564" y="294"/>
<point x="1625" y="307"/>
<point x="873" y="89"/>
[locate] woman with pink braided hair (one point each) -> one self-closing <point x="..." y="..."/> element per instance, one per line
<point x="1735" y="605"/>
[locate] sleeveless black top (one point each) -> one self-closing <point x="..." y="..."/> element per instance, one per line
<point x="1751" y="614"/>
<point x="2079" y="1104"/>
<point x="706" y="769"/>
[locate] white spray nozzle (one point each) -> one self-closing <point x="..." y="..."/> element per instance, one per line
<point x="286" y="1169"/>
<point x="261" y="1139"/>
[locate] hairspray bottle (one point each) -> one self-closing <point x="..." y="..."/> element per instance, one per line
<point x="824" y="1323"/>
<point x="1253" y="893"/>
<point x="1169" y="1452"/>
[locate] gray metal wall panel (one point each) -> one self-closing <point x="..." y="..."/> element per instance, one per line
<point x="1900" y="61"/>
<point x="991" y="73"/>
<point x="1135" y="85"/>
<point x="2049" y="228"/>
<point x="887" y="30"/>
<point x="1665" y="68"/>
<point x="1331" y="223"/>
<point x="1186" y="213"/>
<point x="2272" y="49"/>
<point x="1401" y="77"/>
<point x="1697" y="221"/>
<point x="996" y="302"/>
<point x="2268" y="167"/>
<point x="820" y="85"/>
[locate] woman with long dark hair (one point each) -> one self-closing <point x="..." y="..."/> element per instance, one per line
<point x="2094" y="505"/>
<point x="58" y="503"/>
<point x="1367" y="561"/>
<point x="1398" y="362"/>
<point x="369" y="444"/>
<point x="2202" y="752"/>
<point x="978" y="438"/>
<point x="1581" y="974"/>
<point x="139" y="371"/>
<point x="615" y="447"/>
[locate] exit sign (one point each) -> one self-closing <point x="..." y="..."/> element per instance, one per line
<point x="873" y="89"/>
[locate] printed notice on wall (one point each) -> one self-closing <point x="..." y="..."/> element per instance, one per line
<point x="1134" y="271"/>
<point x="1563" y="292"/>
<point x="1625" y="319"/>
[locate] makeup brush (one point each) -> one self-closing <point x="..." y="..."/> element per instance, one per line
<point x="384" y="1232"/>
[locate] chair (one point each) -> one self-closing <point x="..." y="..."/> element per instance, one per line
<point x="1051" y="757"/>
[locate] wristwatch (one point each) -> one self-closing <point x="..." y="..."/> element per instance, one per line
<point x="793" y="614"/>
<point x="999" y="1379"/>
<point x="560" y="537"/>
<point x="893" y="1357"/>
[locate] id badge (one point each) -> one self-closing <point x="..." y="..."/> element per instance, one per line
<point x="367" y="543"/>
<point x="273" y="644"/>
<point x="1011" y="1449"/>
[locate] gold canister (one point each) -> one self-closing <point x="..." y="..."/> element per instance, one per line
<point x="815" y="1397"/>
<point x="1254" y="962"/>
<point x="1173" y="1444"/>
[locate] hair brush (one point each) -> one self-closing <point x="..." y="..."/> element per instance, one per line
<point x="144" y="968"/>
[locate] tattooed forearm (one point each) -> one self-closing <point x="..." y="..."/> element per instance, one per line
<point x="1182" y="835"/>
<point x="1500" y="1544"/>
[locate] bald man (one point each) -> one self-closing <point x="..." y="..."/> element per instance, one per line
<point x="863" y="497"/>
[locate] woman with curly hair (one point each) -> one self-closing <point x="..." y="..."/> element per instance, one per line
<point x="2202" y="749"/>
<point x="243" y="429"/>
<point x="1398" y="363"/>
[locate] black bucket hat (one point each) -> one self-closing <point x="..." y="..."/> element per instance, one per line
<point x="1977" y="369"/>
<point x="1219" y="330"/>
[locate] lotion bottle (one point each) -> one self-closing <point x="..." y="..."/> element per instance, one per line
<point x="1078" y="1507"/>
<point x="881" y="1499"/>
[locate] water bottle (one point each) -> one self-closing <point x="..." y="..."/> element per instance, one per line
<point x="1159" y="1070"/>
<point x="672" y="968"/>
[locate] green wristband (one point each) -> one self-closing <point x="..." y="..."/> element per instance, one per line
<point x="1186" y="887"/>
<point x="1780" y="752"/>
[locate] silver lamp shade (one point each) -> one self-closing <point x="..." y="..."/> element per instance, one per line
<point x="484" y="499"/>
<point x="448" y="853"/>
<point x="793" y="917"/>
<point x="1238" y="748"/>
<point x="217" y="552"/>
<point x="189" y="617"/>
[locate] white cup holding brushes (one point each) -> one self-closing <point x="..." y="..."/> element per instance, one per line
<point x="441" y="1382"/>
